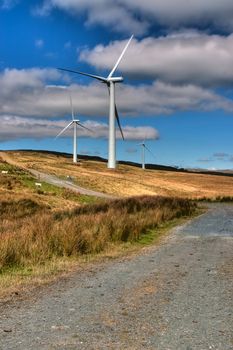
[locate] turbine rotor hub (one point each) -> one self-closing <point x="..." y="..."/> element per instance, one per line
<point x="116" y="79"/>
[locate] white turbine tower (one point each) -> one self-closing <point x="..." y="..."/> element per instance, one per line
<point x="144" y="147"/>
<point x="75" y="122"/>
<point x="110" y="81"/>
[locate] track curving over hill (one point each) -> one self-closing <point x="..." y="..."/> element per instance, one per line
<point x="54" y="180"/>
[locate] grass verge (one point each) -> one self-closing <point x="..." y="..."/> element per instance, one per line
<point x="39" y="247"/>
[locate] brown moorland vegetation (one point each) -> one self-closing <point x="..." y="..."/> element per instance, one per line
<point x="126" y="180"/>
<point x="43" y="227"/>
<point x="48" y="230"/>
<point x="40" y="237"/>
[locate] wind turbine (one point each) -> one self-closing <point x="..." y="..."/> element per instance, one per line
<point x="110" y="81"/>
<point x="144" y="147"/>
<point x="75" y="122"/>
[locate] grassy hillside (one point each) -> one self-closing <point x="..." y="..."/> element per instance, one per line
<point x="126" y="180"/>
<point x="45" y="231"/>
<point x="18" y="189"/>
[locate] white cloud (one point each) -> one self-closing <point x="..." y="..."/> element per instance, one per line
<point x="31" y="103"/>
<point x="180" y="58"/>
<point x="138" y="16"/>
<point x="30" y="93"/>
<point x="15" y="127"/>
<point x="108" y="13"/>
<point x="17" y="79"/>
<point x="178" y="13"/>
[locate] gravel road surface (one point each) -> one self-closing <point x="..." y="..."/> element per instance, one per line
<point x="54" y="180"/>
<point x="176" y="296"/>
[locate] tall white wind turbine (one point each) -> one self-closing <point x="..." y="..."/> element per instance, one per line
<point x="144" y="147"/>
<point x="110" y="81"/>
<point x="75" y="122"/>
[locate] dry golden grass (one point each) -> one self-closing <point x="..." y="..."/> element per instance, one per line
<point x="38" y="240"/>
<point x="36" y="235"/>
<point x="38" y="244"/>
<point x="126" y="180"/>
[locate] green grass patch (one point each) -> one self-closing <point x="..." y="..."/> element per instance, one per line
<point x="52" y="190"/>
<point x="149" y="237"/>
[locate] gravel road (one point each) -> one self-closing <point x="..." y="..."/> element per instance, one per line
<point x="176" y="296"/>
<point x="54" y="180"/>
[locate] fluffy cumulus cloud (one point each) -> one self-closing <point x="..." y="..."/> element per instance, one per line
<point x="177" y="13"/>
<point x="138" y="16"/>
<point x="31" y="104"/>
<point x="31" y="93"/>
<point x="179" y="58"/>
<point x="35" y="96"/>
<point x="109" y="13"/>
<point x="22" y="90"/>
<point x="15" y="127"/>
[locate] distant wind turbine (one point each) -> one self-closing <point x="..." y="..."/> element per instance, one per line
<point x="75" y="122"/>
<point x="110" y="81"/>
<point x="144" y="147"/>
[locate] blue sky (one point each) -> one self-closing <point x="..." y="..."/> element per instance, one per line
<point x="178" y="74"/>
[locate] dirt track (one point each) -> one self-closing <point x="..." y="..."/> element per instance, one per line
<point x="54" y="180"/>
<point x="177" y="296"/>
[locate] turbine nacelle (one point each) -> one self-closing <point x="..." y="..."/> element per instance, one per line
<point x="115" y="79"/>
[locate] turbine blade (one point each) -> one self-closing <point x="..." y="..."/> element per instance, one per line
<point x="104" y="80"/>
<point x="118" y="122"/>
<point x="63" y="130"/>
<point x="72" y="108"/>
<point x="84" y="127"/>
<point x="149" y="151"/>
<point x="117" y="118"/>
<point x="119" y="59"/>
